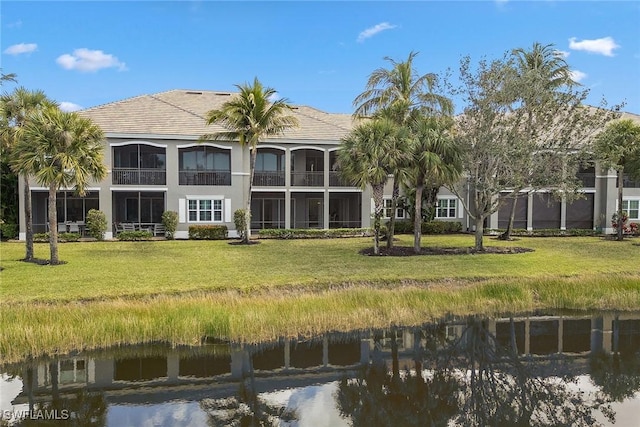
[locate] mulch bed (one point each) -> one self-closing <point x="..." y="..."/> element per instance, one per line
<point x="408" y="251"/>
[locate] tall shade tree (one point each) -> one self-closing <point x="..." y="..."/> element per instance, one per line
<point x="618" y="147"/>
<point x="503" y="138"/>
<point x="435" y="162"/>
<point x="399" y="93"/>
<point x="363" y="159"/>
<point x="15" y="109"/>
<point x="544" y="74"/>
<point x="64" y="150"/>
<point x="250" y="117"/>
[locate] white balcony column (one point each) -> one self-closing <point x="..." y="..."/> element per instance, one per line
<point x="529" y="214"/>
<point x="287" y="188"/>
<point x="563" y="213"/>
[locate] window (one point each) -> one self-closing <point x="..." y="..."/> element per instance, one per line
<point x="632" y="208"/>
<point x="387" y="210"/>
<point x="205" y="210"/>
<point x="446" y="208"/>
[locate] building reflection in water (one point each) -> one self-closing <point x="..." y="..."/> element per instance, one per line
<point x="607" y="346"/>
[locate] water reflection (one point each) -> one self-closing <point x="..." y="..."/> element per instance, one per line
<point x="468" y="372"/>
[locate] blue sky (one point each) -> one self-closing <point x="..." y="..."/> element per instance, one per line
<point x="320" y="54"/>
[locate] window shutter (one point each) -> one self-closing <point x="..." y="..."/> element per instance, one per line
<point x="182" y="210"/>
<point x="227" y="210"/>
<point x="459" y="208"/>
<point x="373" y="206"/>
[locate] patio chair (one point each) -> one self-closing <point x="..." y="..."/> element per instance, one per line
<point x="128" y="226"/>
<point x="74" y="228"/>
<point x="159" y="230"/>
<point x="62" y="227"/>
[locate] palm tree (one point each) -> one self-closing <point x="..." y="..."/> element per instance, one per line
<point x="543" y="71"/>
<point x="250" y="117"/>
<point x="618" y="147"/>
<point x="363" y="159"/>
<point x="14" y="110"/>
<point x="436" y="162"/>
<point x="64" y="150"/>
<point x="398" y="93"/>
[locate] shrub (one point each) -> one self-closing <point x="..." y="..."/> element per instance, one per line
<point x="170" y="222"/>
<point x="135" y="236"/>
<point x="403" y="227"/>
<point x="8" y="231"/>
<point x="240" y="221"/>
<point x="429" y="227"/>
<point x="313" y="233"/>
<point x="62" y="237"/>
<point x="96" y="224"/>
<point x="208" y="232"/>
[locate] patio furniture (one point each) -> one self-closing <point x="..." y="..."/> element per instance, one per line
<point x="73" y="227"/>
<point x="62" y="227"/>
<point x="159" y="230"/>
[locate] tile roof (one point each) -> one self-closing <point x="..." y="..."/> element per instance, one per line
<point x="182" y="112"/>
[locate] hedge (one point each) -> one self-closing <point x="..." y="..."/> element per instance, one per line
<point x="313" y="233"/>
<point x="208" y="232"/>
<point x="546" y="232"/>
<point x="8" y="231"/>
<point x="62" y="237"/>
<point x="429" y="227"/>
<point x="135" y="236"/>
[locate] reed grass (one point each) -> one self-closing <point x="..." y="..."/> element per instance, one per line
<point x="180" y="292"/>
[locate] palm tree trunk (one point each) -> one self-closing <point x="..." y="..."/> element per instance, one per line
<point x="53" y="225"/>
<point x="417" y="220"/>
<point x="28" y="219"/>
<point x="391" y="227"/>
<point x="378" y="191"/>
<point x="507" y="233"/>
<point x="253" y="154"/>
<point x="620" y="190"/>
<point x="479" y="246"/>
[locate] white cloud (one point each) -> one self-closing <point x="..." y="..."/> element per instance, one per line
<point x="603" y="46"/>
<point x="89" y="60"/>
<point x="21" y="48"/>
<point x="577" y="76"/>
<point x="561" y="53"/>
<point x="372" y="31"/>
<point x="69" y="106"/>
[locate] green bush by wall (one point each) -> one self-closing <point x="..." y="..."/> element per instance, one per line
<point x="208" y="232"/>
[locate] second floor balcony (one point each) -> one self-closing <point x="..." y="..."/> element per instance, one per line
<point x="307" y="179"/>
<point x="139" y="176"/>
<point x="209" y="177"/>
<point x="268" y="178"/>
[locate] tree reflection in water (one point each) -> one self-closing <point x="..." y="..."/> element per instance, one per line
<point x="468" y="381"/>
<point x="245" y="409"/>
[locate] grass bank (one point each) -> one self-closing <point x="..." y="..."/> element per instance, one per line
<point x="114" y="293"/>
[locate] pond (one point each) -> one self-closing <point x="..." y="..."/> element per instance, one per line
<point x="547" y="370"/>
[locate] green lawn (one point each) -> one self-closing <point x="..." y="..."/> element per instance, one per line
<point x="97" y="270"/>
<point x="179" y="291"/>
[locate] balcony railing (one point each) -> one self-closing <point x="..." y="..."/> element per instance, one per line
<point x="335" y="180"/>
<point x="204" y="178"/>
<point x="268" y="178"/>
<point x="135" y="176"/>
<point x="307" y="179"/>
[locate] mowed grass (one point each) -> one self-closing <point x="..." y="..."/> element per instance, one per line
<point x="112" y="293"/>
<point x="98" y="270"/>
